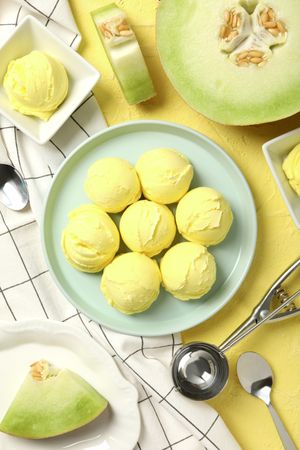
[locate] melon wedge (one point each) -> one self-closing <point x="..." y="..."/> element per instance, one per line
<point x="51" y="402"/>
<point x="236" y="62"/>
<point x="124" y="53"/>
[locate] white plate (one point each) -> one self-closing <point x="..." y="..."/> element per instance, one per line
<point x="24" y="342"/>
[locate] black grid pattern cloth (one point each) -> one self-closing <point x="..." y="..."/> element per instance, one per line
<point x="169" y="421"/>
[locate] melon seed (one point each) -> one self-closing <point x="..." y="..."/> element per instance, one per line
<point x="281" y="27"/>
<point x="123" y="27"/>
<point x="222" y="31"/>
<point x="274" y="31"/>
<point x="264" y="16"/>
<point x="243" y="55"/>
<point x="271" y="14"/>
<point x="234" y="21"/>
<point x="232" y="35"/>
<point x="256" y="60"/>
<point x="107" y="34"/>
<point x="270" y="25"/>
<point x="226" y="16"/>
<point x="126" y="33"/>
<point x="256" y="53"/>
<point x="105" y="31"/>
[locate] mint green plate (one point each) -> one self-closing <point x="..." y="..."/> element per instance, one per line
<point x="213" y="167"/>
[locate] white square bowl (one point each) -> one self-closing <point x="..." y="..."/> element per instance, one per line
<point x="30" y="35"/>
<point x="275" y="152"/>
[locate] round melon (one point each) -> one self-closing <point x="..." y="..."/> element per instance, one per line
<point x="236" y="62"/>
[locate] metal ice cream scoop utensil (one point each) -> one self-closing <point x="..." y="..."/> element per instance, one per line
<point x="200" y="370"/>
<point x="256" y="377"/>
<point x="13" y="188"/>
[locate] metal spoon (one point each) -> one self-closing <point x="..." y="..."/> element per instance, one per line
<point x="256" y="377"/>
<point x="13" y="188"/>
<point x="200" y="370"/>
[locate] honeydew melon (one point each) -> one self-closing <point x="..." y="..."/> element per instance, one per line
<point x="51" y="402"/>
<point x="124" y="53"/>
<point x="233" y="73"/>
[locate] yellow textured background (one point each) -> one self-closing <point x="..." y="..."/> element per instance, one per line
<point x="278" y="239"/>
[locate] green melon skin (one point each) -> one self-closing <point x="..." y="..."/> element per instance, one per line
<point x="127" y="61"/>
<point x="187" y="39"/>
<point x="57" y="405"/>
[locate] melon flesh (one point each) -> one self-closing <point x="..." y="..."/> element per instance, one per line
<point x="57" y="404"/>
<point x="205" y="76"/>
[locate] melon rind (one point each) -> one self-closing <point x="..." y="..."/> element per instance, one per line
<point x="187" y="39"/>
<point x="57" y="405"/>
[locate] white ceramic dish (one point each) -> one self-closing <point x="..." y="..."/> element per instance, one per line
<point x="24" y="342"/>
<point x="275" y="152"/>
<point x="30" y="35"/>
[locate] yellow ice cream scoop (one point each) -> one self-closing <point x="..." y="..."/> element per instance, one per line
<point x="291" y="168"/>
<point x="188" y="270"/>
<point x="204" y="216"/>
<point x="90" y="240"/>
<point x="131" y="282"/>
<point x="113" y="184"/>
<point x="36" y="84"/>
<point x="165" y="175"/>
<point x="147" y="227"/>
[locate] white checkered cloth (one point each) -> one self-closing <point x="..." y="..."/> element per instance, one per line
<point x="169" y="421"/>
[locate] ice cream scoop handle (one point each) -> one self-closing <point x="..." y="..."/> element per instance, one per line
<point x="284" y="436"/>
<point x="240" y="335"/>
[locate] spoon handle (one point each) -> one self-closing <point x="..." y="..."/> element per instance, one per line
<point x="3" y="153"/>
<point x="284" y="436"/>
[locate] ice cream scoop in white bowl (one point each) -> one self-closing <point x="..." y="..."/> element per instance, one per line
<point x="31" y="35"/>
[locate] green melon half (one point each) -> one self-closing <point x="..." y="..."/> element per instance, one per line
<point x="189" y="46"/>
<point x="54" y="403"/>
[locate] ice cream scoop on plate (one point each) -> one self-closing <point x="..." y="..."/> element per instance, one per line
<point x="90" y="240"/>
<point x="131" y="282"/>
<point x="113" y="184"/>
<point x="147" y="227"/>
<point x="204" y="216"/>
<point x="188" y="270"/>
<point x="165" y="175"/>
